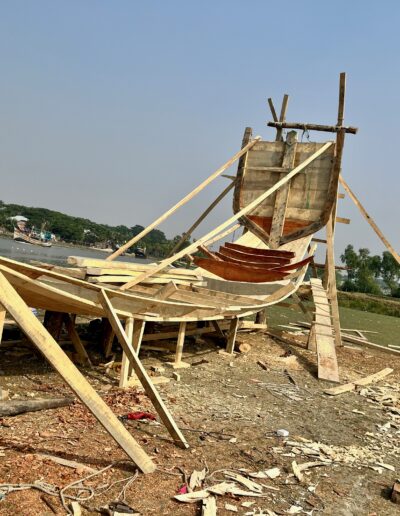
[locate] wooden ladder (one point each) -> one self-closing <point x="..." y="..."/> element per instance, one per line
<point x="322" y="334"/>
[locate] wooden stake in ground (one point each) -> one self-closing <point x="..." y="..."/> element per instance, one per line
<point x="140" y="371"/>
<point x="32" y="327"/>
<point x="183" y="201"/>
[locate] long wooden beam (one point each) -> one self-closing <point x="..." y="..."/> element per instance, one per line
<point x="369" y="219"/>
<point x="183" y="201"/>
<point x="36" y="332"/>
<point x="191" y="248"/>
<point x="195" y="224"/>
<point x="140" y="371"/>
<point x="313" y="127"/>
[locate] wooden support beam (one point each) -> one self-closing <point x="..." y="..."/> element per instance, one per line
<point x="125" y="365"/>
<point x="53" y="322"/>
<point x="108" y="338"/>
<point x="75" y="339"/>
<point x="247" y="209"/>
<point x="230" y="345"/>
<point x="370" y="220"/>
<point x="183" y="201"/>
<point x="218" y="329"/>
<point x="312" y="127"/>
<point x="32" y="327"/>
<point x="141" y="373"/>
<point x="343" y="220"/>
<point x="282" y="195"/>
<point x="178" y="364"/>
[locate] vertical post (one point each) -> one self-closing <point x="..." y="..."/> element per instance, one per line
<point x="329" y="280"/>
<point x="230" y="345"/>
<point x="282" y="116"/>
<point x="178" y="363"/>
<point x="125" y="366"/>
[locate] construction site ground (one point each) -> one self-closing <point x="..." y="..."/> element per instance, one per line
<point x="230" y="409"/>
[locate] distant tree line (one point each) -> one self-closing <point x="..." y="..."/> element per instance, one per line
<point x="370" y="274"/>
<point x="77" y="230"/>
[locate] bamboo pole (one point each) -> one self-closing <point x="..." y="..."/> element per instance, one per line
<point x="228" y="222"/>
<point x="369" y="220"/>
<point x="189" y="232"/>
<point x="183" y="201"/>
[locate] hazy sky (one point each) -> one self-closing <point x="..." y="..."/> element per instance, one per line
<point x="113" y="110"/>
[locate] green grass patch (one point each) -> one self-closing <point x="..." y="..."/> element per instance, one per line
<point x="388" y="327"/>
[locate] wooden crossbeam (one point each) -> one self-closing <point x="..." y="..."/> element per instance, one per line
<point x="46" y="344"/>
<point x="312" y="127"/>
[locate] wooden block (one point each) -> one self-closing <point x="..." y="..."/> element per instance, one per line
<point x="178" y="365"/>
<point x="157" y="380"/>
<point x="176" y="376"/>
<point x="396" y="493"/>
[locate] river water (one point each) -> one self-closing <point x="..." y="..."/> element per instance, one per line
<point x="55" y="254"/>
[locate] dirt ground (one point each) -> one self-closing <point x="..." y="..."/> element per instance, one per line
<point x="229" y="408"/>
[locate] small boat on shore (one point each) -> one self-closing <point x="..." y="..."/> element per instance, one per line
<point x="31" y="238"/>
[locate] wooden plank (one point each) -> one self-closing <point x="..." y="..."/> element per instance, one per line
<point x="247" y="209"/>
<point x="368" y="344"/>
<point x="149" y="388"/>
<point x="183" y="201"/>
<point x="370" y="220"/>
<point x="343" y="220"/>
<point x="282" y="195"/>
<point x="125" y="365"/>
<point x="327" y="361"/>
<point x="31" y="326"/>
<point x="75" y="339"/>
<point x="351" y="386"/>
<point x="230" y="345"/>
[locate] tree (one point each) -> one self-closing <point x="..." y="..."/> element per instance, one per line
<point x="363" y="271"/>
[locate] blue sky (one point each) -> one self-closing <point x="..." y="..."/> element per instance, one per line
<point x="115" y="110"/>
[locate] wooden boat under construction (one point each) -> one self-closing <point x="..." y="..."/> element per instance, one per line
<point x="284" y="192"/>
